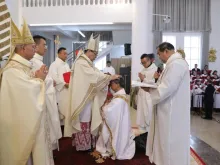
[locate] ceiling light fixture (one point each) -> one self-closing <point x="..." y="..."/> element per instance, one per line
<point x="66" y="24"/>
<point x="166" y="18"/>
<point x="81" y="33"/>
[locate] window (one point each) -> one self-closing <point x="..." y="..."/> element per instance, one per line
<point x="102" y="45"/>
<point x="192" y="48"/>
<point x="101" y="63"/>
<point x="171" y="39"/>
<point x="190" y="42"/>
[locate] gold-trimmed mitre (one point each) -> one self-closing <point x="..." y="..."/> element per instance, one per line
<point x="22" y="37"/>
<point x="93" y="44"/>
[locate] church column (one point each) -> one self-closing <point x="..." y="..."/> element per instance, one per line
<point x="15" y="8"/>
<point x="139" y="34"/>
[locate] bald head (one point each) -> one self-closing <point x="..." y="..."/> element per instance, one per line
<point x="26" y="51"/>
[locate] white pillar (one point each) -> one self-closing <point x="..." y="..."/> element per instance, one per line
<point x="139" y="34"/>
<point x="15" y="8"/>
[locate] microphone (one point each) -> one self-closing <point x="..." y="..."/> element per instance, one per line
<point x="158" y="70"/>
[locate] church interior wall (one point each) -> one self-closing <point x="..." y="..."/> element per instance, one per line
<point x="121" y="37"/>
<point x="215" y="34"/>
<point x="78" y="14"/>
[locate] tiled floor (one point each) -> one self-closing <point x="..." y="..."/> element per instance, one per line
<point x="206" y="130"/>
<point x="205" y="137"/>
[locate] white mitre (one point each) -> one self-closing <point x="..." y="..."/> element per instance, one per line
<point x="93" y="44"/>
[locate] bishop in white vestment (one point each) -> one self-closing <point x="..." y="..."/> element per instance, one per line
<point x="24" y="130"/>
<point x="168" y="140"/>
<point x="51" y="101"/>
<point x="116" y="136"/>
<point x="86" y="95"/>
<point x="56" y="71"/>
<point x="144" y="104"/>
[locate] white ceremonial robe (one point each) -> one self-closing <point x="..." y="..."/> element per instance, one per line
<point x="87" y="94"/>
<point x="110" y="70"/>
<point x="56" y="71"/>
<point x="168" y="140"/>
<point x="24" y="130"/>
<point x="51" y="103"/>
<point x="116" y="136"/>
<point x="144" y="103"/>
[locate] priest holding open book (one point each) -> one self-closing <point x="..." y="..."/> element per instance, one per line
<point x="168" y="140"/>
<point x="144" y="104"/>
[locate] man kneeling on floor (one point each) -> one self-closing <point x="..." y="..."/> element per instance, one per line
<point x="116" y="137"/>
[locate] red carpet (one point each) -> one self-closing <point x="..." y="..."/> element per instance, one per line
<point x="68" y="156"/>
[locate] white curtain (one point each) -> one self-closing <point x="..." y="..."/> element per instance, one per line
<point x="186" y="15"/>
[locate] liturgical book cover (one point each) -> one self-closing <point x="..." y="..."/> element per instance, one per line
<point x="66" y="77"/>
<point x="141" y="84"/>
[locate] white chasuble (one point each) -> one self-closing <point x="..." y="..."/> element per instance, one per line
<point x="51" y="103"/>
<point x="23" y="126"/>
<point x="168" y="141"/>
<point x="56" y="71"/>
<point x="86" y="96"/>
<point x="144" y="103"/>
<point x="116" y="136"/>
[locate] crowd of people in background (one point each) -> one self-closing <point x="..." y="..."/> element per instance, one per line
<point x="200" y="79"/>
<point x="206" y="83"/>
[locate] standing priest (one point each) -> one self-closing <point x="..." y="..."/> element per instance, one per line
<point x="51" y="101"/>
<point x="86" y="96"/>
<point x="168" y="140"/>
<point x="144" y="104"/>
<point x="56" y="71"/>
<point x="23" y="127"/>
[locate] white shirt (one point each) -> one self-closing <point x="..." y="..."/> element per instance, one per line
<point x="37" y="62"/>
<point x="56" y="71"/>
<point x="110" y="70"/>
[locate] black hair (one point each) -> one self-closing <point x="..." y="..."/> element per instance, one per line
<point x="108" y="62"/>
<point x="37" y="38"/>
<point x="119" y="81"/>
<point x="150" y="56"/>
<point x="165" y="45"/>
<point x="60" y="49"/>
<point x="210" y="81"/>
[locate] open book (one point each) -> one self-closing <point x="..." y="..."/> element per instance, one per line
<point x="141" y="84"/>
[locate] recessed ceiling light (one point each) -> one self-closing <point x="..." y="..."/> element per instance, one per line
<point x="66" y="24"/>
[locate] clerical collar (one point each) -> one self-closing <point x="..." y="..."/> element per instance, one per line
<point x="39" y="57"/>
<point x="174" y="57"/>
<point x="60" y="61"/>
<point x="120" y="92"/>
<point x="150" y="65"/>
<point x="22" y="60"/>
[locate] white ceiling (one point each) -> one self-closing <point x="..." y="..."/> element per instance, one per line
<point x="126" y="26"/>
<point x="71" y="30"/>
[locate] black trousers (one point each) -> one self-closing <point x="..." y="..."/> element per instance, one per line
<point x="208" y="109"/>
<point x="140" y="142"/>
